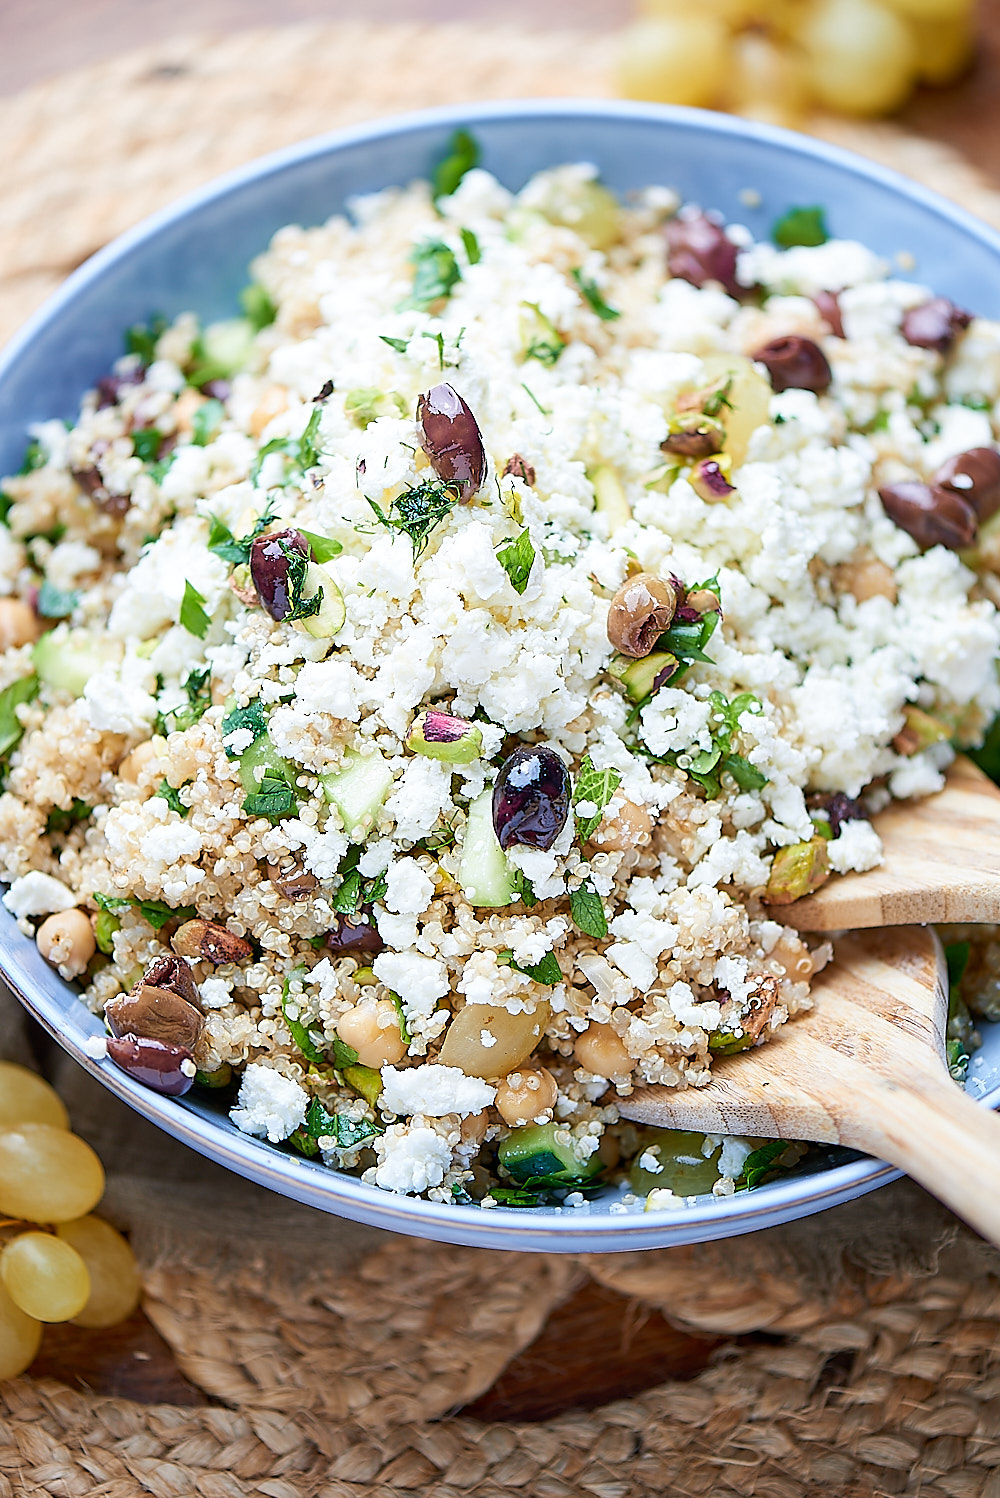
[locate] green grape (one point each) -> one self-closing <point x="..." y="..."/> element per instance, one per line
<point x="47" y="1174"/>
<point x="25" y="1097"/>
<point x="44" y="1277"/>
<point x="767" y="81"/>
<point x="748" y="400"/>
<point x="684" y="1168"/>
<point x="676" y="59"/>
<point x="19" y="1337"/>
<point x="932" y="10"/>
<point x="944" y="49"/>
<point x="861" y="57"/>
<point x="733" y="12"/>
<point x="114" y="1277"/>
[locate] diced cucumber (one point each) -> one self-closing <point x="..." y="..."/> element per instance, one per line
<point x="227" y="345"/>
<point x="66" y="659"/>
<point x="609" y="496"/>
<point x="684" y="1168"/>
<point x="534" y="1152"/>
<point x="260" y="759"/>
<point x="332" y="610"/>
<point x="638" y="677"/>
<point x="484" y="874"/>
<point x="358" y="791"/>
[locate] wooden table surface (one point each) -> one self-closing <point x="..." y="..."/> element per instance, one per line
<point x="602" y="1345"/>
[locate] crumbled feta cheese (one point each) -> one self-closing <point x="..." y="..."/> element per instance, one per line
<point x="269" y="1105"/>
<point x="410" y="1159"/>
<point x="433" y="1090"/>
<point x="35" y="893"/>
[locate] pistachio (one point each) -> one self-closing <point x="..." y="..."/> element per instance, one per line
<point x="931" y="514"/>
<point x="935" y="324"/>
<point x="171" y="973"/>
<point x="827" y="304"/>
<point x="796" y="871"/>
<point x="294" y="883"/>
<point x="708" y="479"/>
<point x="975" y="475"/>
<point x="155" y="1014"/>
<point x="795" y="363"/>
<point x="702" y="601"/>
<point x="210" y="942"/>
<point x="442" y="736"/>
<point x="640" y="611"/>
<point x="919" y="731"/>
<point x="519" y="468"/>
<point x="700" y="440"/>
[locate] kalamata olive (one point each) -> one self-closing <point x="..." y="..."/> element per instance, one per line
<point x="795" y="363"/>
<point x="219" y="390"/>
<point x="837" y="808"/>
<point x="828" y="306"/>
<point x="452" y="439"/>
<point x="698" y="250"/>
<point x="531" y="798"/>
<point x="269" y="563"/>
<point x="640" y="611"/>
<point x="171" y="973"/>
<point x="155" y="1014"/>
<point x="695" y="442"/>
<point x="353" y="936"/>
<point x="110" y="387"/>
<point x="90" y="481"/>
<point x="520" y="468"/>
<point x="932" y="515"/>
<point x="708" y="480"/>
<point x="169" y="1069"/>
<point x="934" y="324"/>
<point x="975" y="475"/>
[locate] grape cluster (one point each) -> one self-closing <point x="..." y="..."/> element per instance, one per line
<point x="774" y="59"/>
<point x="57" y="1263"/>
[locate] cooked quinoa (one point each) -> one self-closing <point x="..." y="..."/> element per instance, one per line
<point x="310" y="656"/>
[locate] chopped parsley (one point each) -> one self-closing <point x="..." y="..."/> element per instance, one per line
<point x="546" y="971"/>
<point x="156" y="912"/>
<point x="597" y="787"/>
<point x="199" y="694"/>
<point x="56" y="603"/>
<point x="206" y="422"/>
<point x="354" y="889"/>
<point x="516" y="558"/>
<point x="418" y="511"/>
<point x="192" y="616"/>
<point x="591" y="294"/>
<point x="346" y="1133"/>
<point x="399" y="344"/>
<point x="223" y="544"/>
<point x="141" y="338"/>
<point x="258" y="309"/>
<point x="172" y="797"/>
<point x="300" y="453"/>
<point x="11" y="698"/>
<point x="299" y="1032"/>
<point x="435" y="272"/>
<point x="61" y="819"/>
<point x="800" y="226"/>
<point x="470" y="245"/>
<point x="587" y="910"/>
<point x="462" y="156"/>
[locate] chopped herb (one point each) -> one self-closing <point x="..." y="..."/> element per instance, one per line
<point x="516" y="558"/>
<point x="354" y="889"/>
<point x="299" y="1033"/>
<point x="976" y="402"/>
<point x="437" y="338"/>
<point x="546" y="971"/>
<point x="763" y="1163"/>
<point x="598" y="787"/>
<point x="435" y="272"/>
<point x="470" y="244"/>
<point x="399" y="344"/>
<point x="56" y="603"/>
<point x="24" y="690"/>
<point x="346" y="1132"/>
<point x="300" y="453"/>
<point x="273" y="798"/>
<point x="156" y="912"/>
<point x="146" y="443"/>
<point x="192" y="616"/>
<point x="401" y="1015"/>
<point x="746" y="775"/>
<point x="61" y="819"/>
<point x="462" y="156"/>
<point x="522" y="889"/>
<point x="540" y="337"/>
<point x="251" y="718"/>
<point x="258" y="309"/>
<point x="800" y="226"/>
<point x="142" y="338"/>
<point x="172" y="797"/>
<point x="105" y="926"/>
<point x="35" y="457"/>
<point x="418" y="510"/>
<point x="322" y="547"/>
<point x="6" y="500"/>
<point x="591" y="294"/>
<point x="587" y="911"/>
<point x="157" y="471"/>
<point x="197" y="685"/>
<point x="206" y="422"/>
<point x="534" y="398"/>
<point x="222" y="543"/>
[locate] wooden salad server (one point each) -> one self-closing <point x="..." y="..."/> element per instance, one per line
<point x="865" y="1068"/>
<point x="942" y="863"/>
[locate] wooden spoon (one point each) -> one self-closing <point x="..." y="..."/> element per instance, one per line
<point x="866" y="1069"/>
<point x="942" y="863"/>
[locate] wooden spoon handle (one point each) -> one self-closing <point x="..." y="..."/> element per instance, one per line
<point x="936" y="1133"/>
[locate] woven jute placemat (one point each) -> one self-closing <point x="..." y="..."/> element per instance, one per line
<point x="334" y="1354"/>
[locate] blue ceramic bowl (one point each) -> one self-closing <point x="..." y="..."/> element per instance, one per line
<point x="195" y="256"/>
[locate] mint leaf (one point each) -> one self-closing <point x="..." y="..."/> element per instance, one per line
<point x="55" y="603"/>
<point x="322" y="547"/>
<point x="463" y="155"/>
<point x="344" y="1055"/>
<point x="192" y="616"/>
<point x="199" y="695"/>
<point x="746" y="775"/>
<point x="800" y="226"/>
<point x="24" y="690"/>
<point x="470" y="245"/>
<point x="258" y="309"/>
<point x="146" y="443"/>
<point x="300" y="453"/>
<point x="592" y="296"/>
<point x="762" y="1163"/>
<point x="587" y="911"/>
<point x="417" y="511"/>
<point x="154" y="911"/>
<point x="142" y="338"/>
<point x="61" y="819"/>
<point x="273" y="798"/>
<point x="346" y="1132"/>
<point x="546" y="971"/>
<point x="516" y="558"/>
<point x="399" y="344"/>
<point x="299" y="1033"/>
<point x="206" y="422"/>
<point x="251" y="717"/>
<point x="435" y="272"/>
<point x="172" y="797"/>
<point x="598" y="786"/>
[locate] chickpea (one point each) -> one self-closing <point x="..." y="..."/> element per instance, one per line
<point x="599" y="1050"/>
<point x="372" y="1029"/>
<point x="474" y="1126"/>
<point x="525" y="1096"/>
<point x="67" y="941"/>
<point x="185" y="406"/>
<point x="791" y="958"/>
<point x="865" y="577"/>
<point x="272" y="402"/>
<point x="625" y="826"/>
<point x="133" y="764"/>
<point x="18" y="624"/>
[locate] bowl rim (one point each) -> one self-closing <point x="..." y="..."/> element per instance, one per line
<point x="44" y="994"/>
